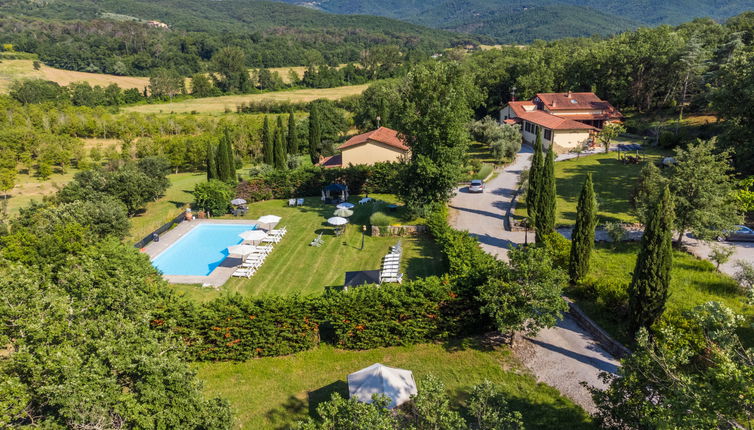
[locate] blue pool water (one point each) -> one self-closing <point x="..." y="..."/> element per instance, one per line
<point x="201" y="250"/>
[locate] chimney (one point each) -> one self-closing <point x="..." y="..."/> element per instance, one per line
<point x="569" y="94"/>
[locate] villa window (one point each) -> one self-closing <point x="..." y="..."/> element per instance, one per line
<point x="548" y="134"/>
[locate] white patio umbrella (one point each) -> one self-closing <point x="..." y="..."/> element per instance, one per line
<point x="269" y="219"/>
<point x="238" y="202"/>
<point x="253" y="235"/>
<point x="342" y="212"/>
<point x="345" y="205"/>
<point x="242" y="250"/>
<point x="336" y="221"/>
<point x="397" y="384"/>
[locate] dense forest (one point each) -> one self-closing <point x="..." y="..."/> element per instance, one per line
<point x="522" y="21"/>
<point x="76" y="36"/>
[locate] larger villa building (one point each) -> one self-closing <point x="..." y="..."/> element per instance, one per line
<point x="380" y="145"/>
<point x="566" y="120"/>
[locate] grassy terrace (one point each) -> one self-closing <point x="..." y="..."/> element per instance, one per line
<point x="296" y="267"/>
<point x="693" y="283"/>
<point x="272" y="393"/>
<point x="613" y="184"/>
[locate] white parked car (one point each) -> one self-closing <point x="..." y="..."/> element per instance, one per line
<point x="476" y="186"/>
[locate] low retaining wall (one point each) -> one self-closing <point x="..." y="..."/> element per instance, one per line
<point x="165" y="227"/>
<point x="399" y="230"/>
<point x="605" y="340"/>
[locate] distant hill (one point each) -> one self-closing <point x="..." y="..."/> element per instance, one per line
<point x="519" y="21"/>
<point x="113" y="36"/>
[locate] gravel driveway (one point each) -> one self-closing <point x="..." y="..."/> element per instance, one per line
<point x="562" y="356"/>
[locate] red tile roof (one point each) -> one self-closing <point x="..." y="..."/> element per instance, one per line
<point x="331" y="162"/>
<point x="578" y="101"/>
<point x="383" y="135"/>
<point x="553" y="122"/>
<point x="518" y="107"/>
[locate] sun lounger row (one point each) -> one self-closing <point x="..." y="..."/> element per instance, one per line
<point x="253" y="261"/>
<point x="391" y="264"/>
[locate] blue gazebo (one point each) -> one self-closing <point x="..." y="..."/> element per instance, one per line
<point x="335" y="193"/>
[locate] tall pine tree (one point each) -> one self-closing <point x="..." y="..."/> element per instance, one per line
<point x="583" y="233"/>
<point x="545" y="218"/>
<point x="224" y="172"/>
<point x="292" y="141"/>
<point x="315" y="136"/>
<point x="268" y="151"/>
<point x="281" y="157"/>
<point x="535" y="174"/>
<point x="648" y="291"/>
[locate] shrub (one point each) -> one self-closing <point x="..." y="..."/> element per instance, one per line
<point x="615" y="231"/>
<point x="213" y="196"/>
<point x="558" y="247"/>
<point x="379" y="219"/>
<point x="483" y="172"/>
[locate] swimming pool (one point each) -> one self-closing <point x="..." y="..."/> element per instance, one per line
<point x="201" y="250"/>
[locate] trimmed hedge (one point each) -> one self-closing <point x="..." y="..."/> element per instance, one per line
<point x="309" y="181"/>
<point x="425" y="310"/>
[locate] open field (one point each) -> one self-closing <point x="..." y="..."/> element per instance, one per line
<point x="693" y="282"/>
<point x="11" y="70"/>
<point x="220" y="104"/>
<point x="29" y="187"/>
<point x="295" y="267"/>
<point x="613" y="184"/>
<point x="273" y="393"/>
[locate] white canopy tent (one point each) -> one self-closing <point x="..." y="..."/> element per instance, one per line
<point x="396" y="384"/>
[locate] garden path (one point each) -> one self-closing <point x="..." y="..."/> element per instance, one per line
<point x="563" y="356"/>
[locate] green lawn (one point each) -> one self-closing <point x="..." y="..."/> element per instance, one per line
<point x="295" y="267"/>
<point x="157" y="213"/>
<point x="693" y="282"/>
<point x="613" y="184"/>
<point x="272" y="393"/>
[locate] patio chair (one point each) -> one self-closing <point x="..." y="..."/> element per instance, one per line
<point x="244" y="273"/>
<point x="317" y="241"/>
<point x="299" y="202"/>
<point x="291" y="202"/>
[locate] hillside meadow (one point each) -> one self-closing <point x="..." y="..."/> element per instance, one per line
<point x="11" y="70"/>
<point x="222" y="104"/>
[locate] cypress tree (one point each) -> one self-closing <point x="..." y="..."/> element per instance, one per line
<point x="583" y="233"/>
<point x="281" y="159"/>
<point x="211" y="162"/>
<point x="648" y="291"/>
<point x="292" y="142"/>
<point x="231" y="157"/>
<point x="267" y="143"/>
<point x="315" y="136"/>
<point x="535" y="173"/>
<point x="223" y="167"/>
<point x="545" y="218"/>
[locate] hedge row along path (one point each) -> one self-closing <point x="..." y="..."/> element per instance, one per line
<point x="562" y="356"/>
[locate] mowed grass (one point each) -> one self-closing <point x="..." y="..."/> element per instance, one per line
<point x="177" y="197"/>
<point x="295" y="267"/>
<point x="613" y="184"/>
<point x="11" y="70"/>
<point x="273" y="393"/>
<point x="219" y="105"/>
<point x="693" y="282"/>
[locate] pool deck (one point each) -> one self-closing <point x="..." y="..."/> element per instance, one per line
<point x="219" y="276"/>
